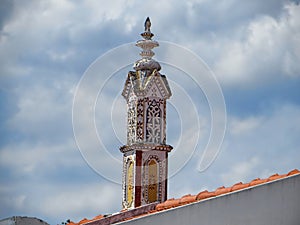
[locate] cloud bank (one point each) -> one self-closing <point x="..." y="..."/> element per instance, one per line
<point x="45" y="46"/>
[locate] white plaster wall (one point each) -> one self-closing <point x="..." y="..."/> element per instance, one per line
<point x="275" y="203"/>
<point x="9" y="221"/>
<point x="22" y="220"/>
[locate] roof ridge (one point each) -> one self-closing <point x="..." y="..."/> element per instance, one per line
<point x="184" y="200"/>
<point x="236" y="187"/>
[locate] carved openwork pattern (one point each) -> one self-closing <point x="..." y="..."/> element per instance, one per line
<point x="131" y="131"/>
<point x="164" y="123"/>
<point x="154" y="122"/>
<point x="140" y="121"/>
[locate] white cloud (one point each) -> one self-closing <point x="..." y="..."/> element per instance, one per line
<point x="64" y="201"/>
<point x="44" y="48"/>
<point x="84" y="200"/>
<point x="270" y="48"/>
<point x="243" y="126"/>
<point x="240" y="171"/>
<point x="32" y="158"/>
<point x="259" y="147"/>
<point x="262" y="145"/>
<point x="39" y="106"/>
<point x="17" y="201"/>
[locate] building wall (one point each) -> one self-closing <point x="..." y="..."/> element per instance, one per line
<point x="22" y="220"/>
<point x="274" y="203"/>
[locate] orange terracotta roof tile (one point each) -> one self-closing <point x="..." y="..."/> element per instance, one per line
<point x="293" y="172"/>
<point x="276" y="176"/>
<point x="170" y="203"/>
<point x="98" y="217"/>
<point x="160" y="206"/>
<point x="239" y="186"/>
<point x="222" y="190"/>
<point x="83" y="221"/>
<point x="186" y="199"/>
<point x="72" y="223"/>
<point x="257" y="181"/>
<point x="205" y="194"/>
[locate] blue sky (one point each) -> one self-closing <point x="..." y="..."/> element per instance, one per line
<point x="253" y="48"/>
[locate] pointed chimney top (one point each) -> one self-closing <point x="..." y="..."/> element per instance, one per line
<point x="147" y="35"/>
<point x="147" y="63"/>
<point x="147" y="25"/>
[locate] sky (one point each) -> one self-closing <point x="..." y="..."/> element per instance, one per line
<point x="252" y="49"/>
